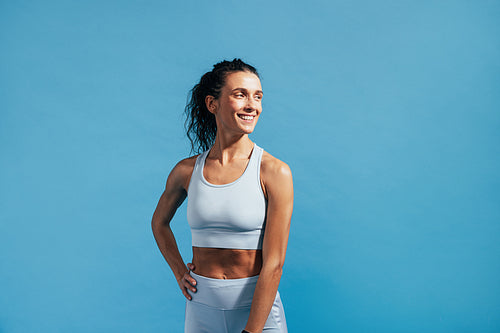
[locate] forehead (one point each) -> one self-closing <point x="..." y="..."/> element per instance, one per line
<point x="244" y="80"/>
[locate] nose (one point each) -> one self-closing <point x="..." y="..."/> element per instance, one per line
<point x="252" y="104"/>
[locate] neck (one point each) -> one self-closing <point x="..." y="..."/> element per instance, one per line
<point x="227" y="148"/>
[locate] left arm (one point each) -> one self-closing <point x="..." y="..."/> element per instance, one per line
<point x="277" y="179"/>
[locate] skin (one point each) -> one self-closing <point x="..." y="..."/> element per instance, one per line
<point x="226" y="162"/>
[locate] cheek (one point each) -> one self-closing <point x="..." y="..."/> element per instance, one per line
<point x="236" y="105"/>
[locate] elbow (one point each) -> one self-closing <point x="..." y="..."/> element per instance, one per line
<point x="154" y="227"/>
<point x="156" y="224"/>
<point x="274" y="268"/>
<point x="277" y="271"/>
<point x="278" y="265"/>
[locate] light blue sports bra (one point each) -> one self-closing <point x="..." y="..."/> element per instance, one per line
<point x="231" y="215"/>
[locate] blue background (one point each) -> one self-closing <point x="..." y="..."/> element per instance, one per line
<point x="387" y="112"/>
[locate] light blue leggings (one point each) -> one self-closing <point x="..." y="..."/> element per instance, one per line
<point x="223" y="306"/>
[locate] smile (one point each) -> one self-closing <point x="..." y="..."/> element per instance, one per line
<point x="245" y="117"/>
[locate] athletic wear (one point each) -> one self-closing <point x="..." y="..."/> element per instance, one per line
<point x="230" y="215"/>
<point x="223" y="306"/>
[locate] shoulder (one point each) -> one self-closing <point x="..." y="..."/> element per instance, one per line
<point x="181" y="173"/>
<point x="271" y="166"/>
<point x="275" y="174"/>
<point x="185" y="165"/>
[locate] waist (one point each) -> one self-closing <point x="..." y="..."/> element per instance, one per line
<point x="226" y="263"/>
<point x="224" y="294"/>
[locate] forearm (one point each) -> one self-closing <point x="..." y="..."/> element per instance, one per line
<point x="263" y="298"/>
<point x="168" y="247"/>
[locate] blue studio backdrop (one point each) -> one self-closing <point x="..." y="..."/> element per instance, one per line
<point x="388" y="113"/>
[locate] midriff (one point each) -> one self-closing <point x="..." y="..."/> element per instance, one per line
<point x="226" y="263"/>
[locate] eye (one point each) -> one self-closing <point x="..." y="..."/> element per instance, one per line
<point x="258" y="97"/>
<point x="239" y="95"/>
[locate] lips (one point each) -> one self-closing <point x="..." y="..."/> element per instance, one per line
<point x="247" y="118"/>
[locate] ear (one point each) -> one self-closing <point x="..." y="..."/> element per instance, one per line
<point x="211" y="104"/>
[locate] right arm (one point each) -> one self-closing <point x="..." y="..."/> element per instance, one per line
<point x="174" y="195"/>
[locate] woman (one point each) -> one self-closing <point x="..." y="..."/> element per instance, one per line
<point x="239" y="208"/>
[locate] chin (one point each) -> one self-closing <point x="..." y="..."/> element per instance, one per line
<point x="248" y="130"/>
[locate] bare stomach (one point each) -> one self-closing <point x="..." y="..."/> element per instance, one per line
<point x="226" y="263"/>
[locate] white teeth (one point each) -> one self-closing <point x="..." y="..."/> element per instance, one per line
<point x="247" y="117"/>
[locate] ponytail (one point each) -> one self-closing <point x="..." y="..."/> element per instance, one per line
<point x="200" y="124"/>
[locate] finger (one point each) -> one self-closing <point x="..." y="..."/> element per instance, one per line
<point x="189" y="278"/>
<point x="188" y="285"/>
<point x="185" y="293"/>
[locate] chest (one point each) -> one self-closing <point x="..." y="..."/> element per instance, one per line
<point x="216" y="173"/>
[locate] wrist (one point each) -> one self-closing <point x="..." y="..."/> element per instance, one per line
<point x="180" y="274"/>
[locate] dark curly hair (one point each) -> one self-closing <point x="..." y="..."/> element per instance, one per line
<point x="200" y="123"/>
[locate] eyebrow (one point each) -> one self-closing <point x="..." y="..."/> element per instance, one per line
<point x="244" y="89"/>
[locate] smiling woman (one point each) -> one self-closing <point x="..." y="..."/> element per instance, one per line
<point x="240" y="201"/>
<point x="239" y="105"/>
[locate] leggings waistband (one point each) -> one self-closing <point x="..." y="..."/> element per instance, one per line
<point x="224" y="294"/>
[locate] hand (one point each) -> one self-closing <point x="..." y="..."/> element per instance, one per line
<point x="187" y="282"/>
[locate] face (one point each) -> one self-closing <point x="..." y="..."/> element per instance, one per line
<point x="239" y="105"/>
